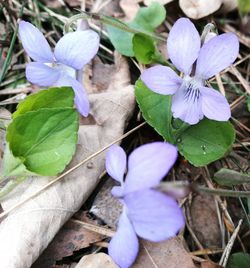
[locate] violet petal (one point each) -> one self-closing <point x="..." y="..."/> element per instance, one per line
<point x="77" y="48"/>
<point x="187" y="109"/>
<point x="161" y="79"/>
<point x="216" y="55"/>
<point x="154" y="215"/>
<point x="183" y="44"/>
<point x="116" y="161"/>
<point x="34" y="43"/>
<point x="148" y="164"/>
<point x="40" y="74"/>
<point x="124" y="245"/>
<point x="81" y="98"/>
<point x="214" y="105"/>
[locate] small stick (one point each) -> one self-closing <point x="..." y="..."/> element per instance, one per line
<point x="95" y="228"/>
<point x="220" y="84"/>
<point x="228" y="248"/>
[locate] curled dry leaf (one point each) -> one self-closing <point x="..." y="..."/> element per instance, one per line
<point x="170" y="253"/>
<point x="98" y="260"/>
<point x="199" y="8"/>
<point x="163" y="2"/>
<point x="27" y="231"/>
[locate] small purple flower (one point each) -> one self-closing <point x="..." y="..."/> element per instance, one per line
<point x="72" y="52"/>
<point x="191" y="100"/>
<point x="147" y="212"/>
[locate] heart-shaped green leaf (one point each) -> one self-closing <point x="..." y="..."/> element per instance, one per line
<point x="44" y="139"/>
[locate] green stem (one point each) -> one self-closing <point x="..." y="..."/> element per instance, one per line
<point x="109" y="21"/>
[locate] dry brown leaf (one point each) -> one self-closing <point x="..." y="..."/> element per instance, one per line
<point x="27" y="231"/>
<point x="163" y="2"/>
<point x="204" y="221"/>
<point x="130" y="8"/>
<point x="72" y="236"/>
<point x="100" y="260"/>
<point x="196" y="9"/>
<point x="170" y="254"/>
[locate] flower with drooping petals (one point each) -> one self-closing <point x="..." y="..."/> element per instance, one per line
<point x="192" y="100"/>
<point x="72" y="52"/>
<point x="147" y="212"/>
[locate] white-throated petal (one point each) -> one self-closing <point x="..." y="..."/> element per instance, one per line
<point x="186" y="105"/>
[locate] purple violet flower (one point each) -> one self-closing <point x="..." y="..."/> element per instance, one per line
<point x="147" y="212"/>
<point x="72" y="52"/>
<point x="192" y="100"/>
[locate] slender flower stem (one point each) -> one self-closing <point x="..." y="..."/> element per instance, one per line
<point x="210" y="27"/>
<point x="109" y="21"/>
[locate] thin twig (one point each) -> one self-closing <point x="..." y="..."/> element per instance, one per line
<point x="228" y="248"/>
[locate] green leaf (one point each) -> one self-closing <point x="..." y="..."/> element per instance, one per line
<point x="12" y="166"/>
<point x="244" y="6"/>
<point x="51" y="98"/>
<point x="149" y="18"/>
<point x="239" y="260"/>
<point x="248" y="103"/>
<point x="206" y="142"/>
<point x="228" y="177"/>
<point x="156" y="110"/>
<point x="144" y="48"/>
<point x="45" y="139"/>
<point x="146" y="20"/>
